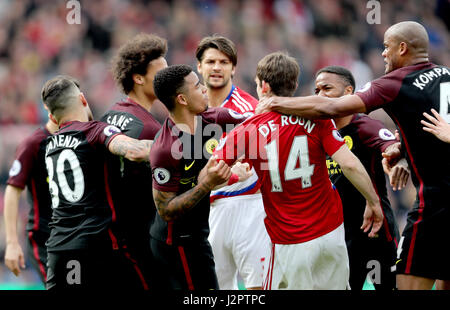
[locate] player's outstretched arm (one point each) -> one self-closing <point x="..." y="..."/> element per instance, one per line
<point x="313" y="107"/>
<point x="438" y="126"/>
<point x="171" y="206"/>
<point x="131" y="149"/>
<point x="14" y="258"/>
<point x="355" y="172"/>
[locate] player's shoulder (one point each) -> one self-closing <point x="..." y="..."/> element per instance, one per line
<point x="371" y="128"/>
<point x="124" y="107"/>
<point x="91" y="125"/>
<point x="246" y="96"/>
<point x="36" y="136"/>
<point x="32" y="142"/>
<point x="91" y="129"/>
<point x="361" y="119"/>
<point x="260" y="119"/>
<point x="165" y="139"/>
<point x="240" y="101"/>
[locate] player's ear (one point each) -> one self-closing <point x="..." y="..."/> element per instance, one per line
<point x="403" y="48"/>
<point x="181" y="99"/>
<point x="199" y="67"/>
<point x="138" y="79"/>
<point x="265" y="88"/>
<point x="83" y="99"/>
<point x="348" y="90"/>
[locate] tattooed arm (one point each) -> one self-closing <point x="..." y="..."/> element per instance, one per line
<point x="171" y="206"/>
<point x="131" y="149"/>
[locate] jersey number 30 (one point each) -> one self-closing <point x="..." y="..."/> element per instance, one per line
<point x="72" y="195"/>
<point x="298" y="153"/>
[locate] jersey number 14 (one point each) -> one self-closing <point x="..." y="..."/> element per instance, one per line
<point x="298" y="152"/>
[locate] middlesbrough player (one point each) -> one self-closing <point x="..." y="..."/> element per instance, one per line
<point x="28" y="170"/>
<point x="134" y="68"/>
<point x="238" y="237"/>
<point x="179" y="235"/>
<point x="411" y="86"/>
<point x="367" y="138"/>
<point x="82" y="247"/>
<point x="304" y="212"/>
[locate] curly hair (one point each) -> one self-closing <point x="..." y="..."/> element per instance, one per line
<point x="133" y="58"/>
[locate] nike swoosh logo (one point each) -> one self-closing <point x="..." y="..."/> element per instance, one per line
<point x="189" y="167"/>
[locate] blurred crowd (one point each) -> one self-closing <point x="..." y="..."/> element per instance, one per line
<point x="37" y="42"/>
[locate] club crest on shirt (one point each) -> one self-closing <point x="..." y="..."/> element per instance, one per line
<point x="161" y="175"/>
<point x="349" y="141"/>
<point x="211" y="145"/>
<point x="15" y="168"/>
<point x="385" y="134"/>
<point x="110" y="130"/>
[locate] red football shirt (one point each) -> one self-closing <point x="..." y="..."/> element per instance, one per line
<point x="289" y="156"/>
<point x="243" y="103"/>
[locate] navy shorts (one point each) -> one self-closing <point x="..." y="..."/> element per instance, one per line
<point x="186" y="266"/>
<point x="423" y="249"/>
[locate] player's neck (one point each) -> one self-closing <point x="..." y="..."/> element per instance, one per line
<point x="74" y="116"/>
<point x="51" y="126"/>
<point x="142" y="99"/>
<point x="184" y="120"/>
<point x="415" y="59"/>
<point x="419" y="60"/>
<point x="341" y="122"/>
<point x="216" y="96"/>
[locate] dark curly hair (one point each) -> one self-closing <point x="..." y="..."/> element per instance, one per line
<point x="133" y="58"/>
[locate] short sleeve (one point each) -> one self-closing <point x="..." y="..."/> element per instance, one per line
<point x="166" y="174"/>
<point x="381" y="91"/>
<point x="128" y="123"/>
<point x="374" y="134"/>
<point x="22" y="165"/>
<point x="102" y="133"/>
<point x="330" y="137"/>
<point x="223" y="116"/>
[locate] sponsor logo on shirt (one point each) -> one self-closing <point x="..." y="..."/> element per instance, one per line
<point x="187" y="167"/>
<point x="349" y="141"/>
<point x="333" y="167"/>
